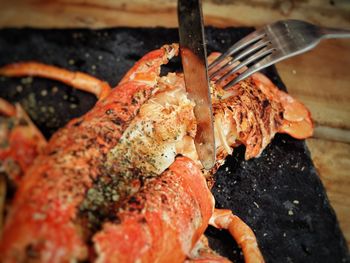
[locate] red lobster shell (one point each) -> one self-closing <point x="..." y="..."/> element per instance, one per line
<point x="111" y="187"/>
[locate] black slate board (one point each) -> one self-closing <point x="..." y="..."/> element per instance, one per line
<point x="278" y="194"/>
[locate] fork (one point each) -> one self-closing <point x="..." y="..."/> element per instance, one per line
<point x="267" y="46"/>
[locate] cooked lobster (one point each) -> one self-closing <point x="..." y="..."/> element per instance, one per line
<point x="123" y="183"/>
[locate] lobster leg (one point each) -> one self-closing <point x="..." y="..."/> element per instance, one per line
<point x="6" y="108"/>
<point x="244" y="236"/>
<point x="146" y="71"/>
<point x="77" y="80"/>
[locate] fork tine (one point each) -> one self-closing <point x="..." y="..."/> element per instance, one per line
<point x="257" y="46"/>
<point x="249" y="39"/>
<point x="262" y="53"/>
<point x="264" y="63"/>
<point x="221" y="69"/>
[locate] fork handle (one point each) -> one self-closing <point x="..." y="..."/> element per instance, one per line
<point x="329" y="32"/>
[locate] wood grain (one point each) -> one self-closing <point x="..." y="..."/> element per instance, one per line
<point x="222" y="13"/>
<point x="319" y="78"/>
<point x="332" y="162"/>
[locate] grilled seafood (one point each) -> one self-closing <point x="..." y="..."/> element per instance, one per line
<point x="123" y="182"/>
<point x="21" y="141"/>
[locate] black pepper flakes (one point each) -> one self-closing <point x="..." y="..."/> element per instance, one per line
<point x="117" y="121"/>
<point x="134" y="101"/>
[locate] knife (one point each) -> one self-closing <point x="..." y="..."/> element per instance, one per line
<point x="195" y="67"/>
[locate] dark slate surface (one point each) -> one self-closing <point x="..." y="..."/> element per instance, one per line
<point x="278" y="194"/>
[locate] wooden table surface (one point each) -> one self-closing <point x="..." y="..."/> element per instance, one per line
<point x="319" y="78"/>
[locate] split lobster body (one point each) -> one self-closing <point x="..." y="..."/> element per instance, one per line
<point x="111" y="185"/>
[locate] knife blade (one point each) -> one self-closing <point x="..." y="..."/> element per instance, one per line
<point x="195" y="67"/>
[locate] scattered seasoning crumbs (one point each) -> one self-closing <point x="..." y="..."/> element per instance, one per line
<point x="71" y="62"/>
<point x="93" y="67"/>
<point x="19" y="88"/>
<point x="256" y="204"/>
<point x="73" y="106"/>
<point x="284" y="234"/>
<point x="265" y="234"/>
<point x="54" y="89"/>
<point x="294" y="71"/>
<point x="100" y="57"/>
<point x="51" y="109"/>
<point x="296" y="202"/>
<point x="77" y="35"/>
<point x="290" y="212"/>
<point x="43" y="93"/>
